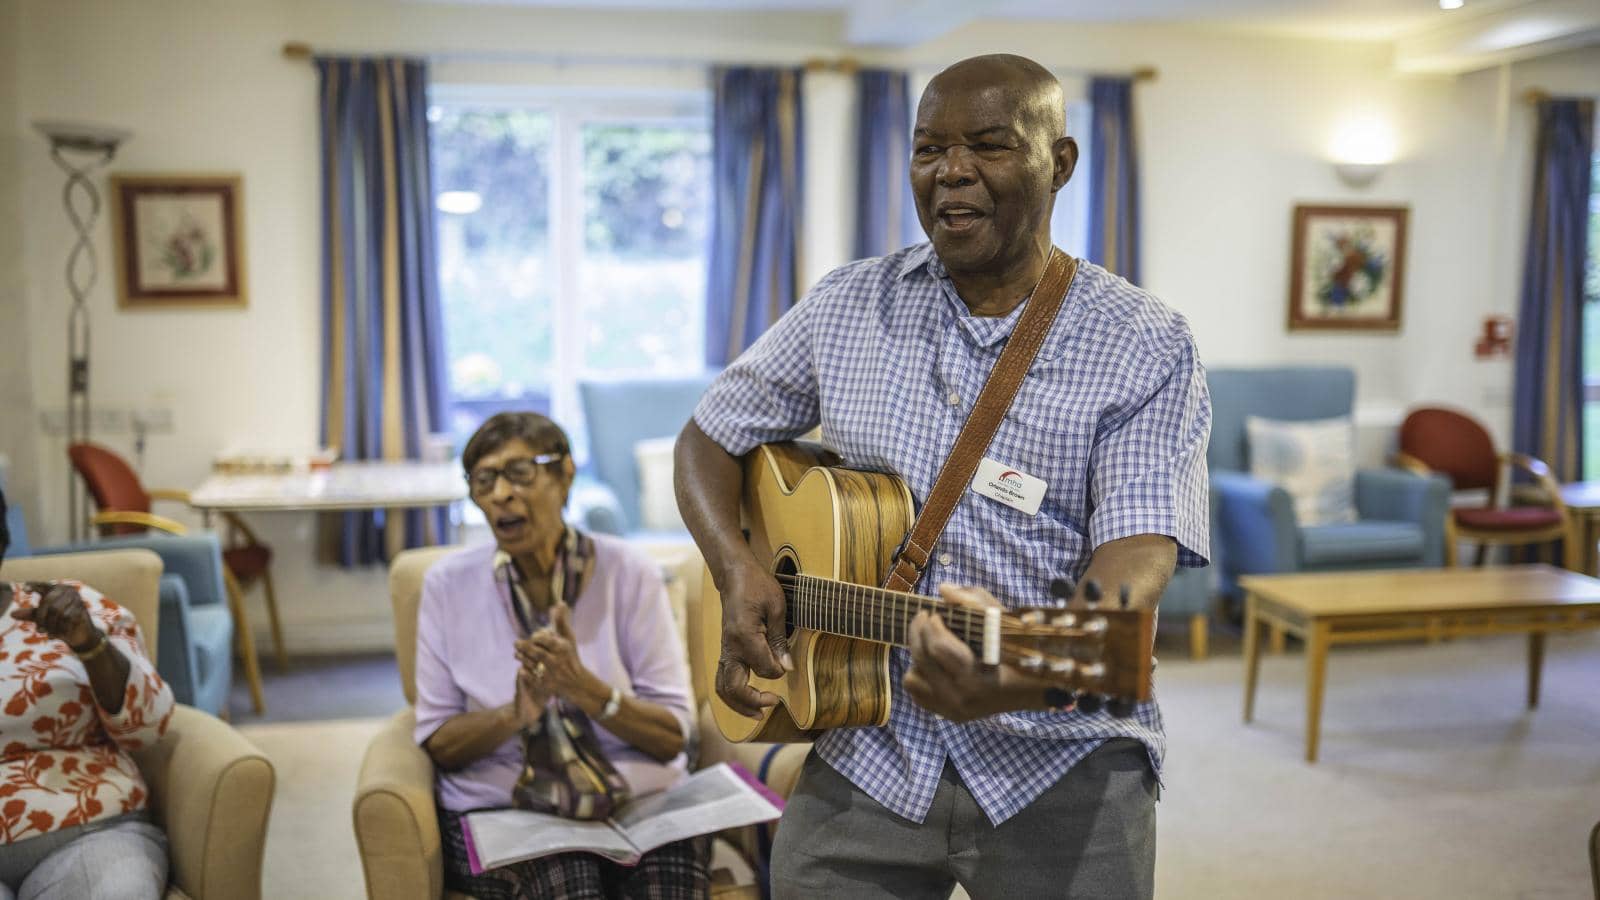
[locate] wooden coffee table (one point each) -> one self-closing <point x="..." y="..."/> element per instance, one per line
<point x="1410" y="604"/>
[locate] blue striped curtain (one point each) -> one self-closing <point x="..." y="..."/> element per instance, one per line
<point x="1113" y="178"/>
<point x="886" y="213"/>
<point x="383" y="342"/>
<point x="753" y="275"/>
<point x="1547" y="416"/>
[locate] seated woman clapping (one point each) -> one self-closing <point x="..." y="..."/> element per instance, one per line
<point x="550" y="676"/>
<point x="76" y="693"/>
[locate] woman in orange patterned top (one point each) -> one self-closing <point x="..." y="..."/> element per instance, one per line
<point x="76" y="693"/>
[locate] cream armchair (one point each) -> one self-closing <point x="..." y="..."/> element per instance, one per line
<point x="209" y="788"/>
<point x="396" y="824"/>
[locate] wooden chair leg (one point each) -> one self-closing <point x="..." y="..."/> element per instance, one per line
<point x="272" y="616"/>
<point x="1572" y="548"/>
<point x="246" y="641"/>
<point x="1275" y="639"/>
<point x="1199" y="623"/>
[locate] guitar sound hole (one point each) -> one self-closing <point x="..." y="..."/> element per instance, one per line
<point x="786" y="566"/>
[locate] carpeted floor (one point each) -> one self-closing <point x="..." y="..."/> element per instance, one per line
<point x="1434" y="782"/>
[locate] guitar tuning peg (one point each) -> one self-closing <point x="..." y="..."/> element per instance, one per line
<point x="1061" y="589"/>
<point x="1092" y="592"/>
<point x="1089" y="702"/>
<point x="1065" y="620"/>
<point x="1031" y="663"/>
<point x="1121" y="707"/>
<point x="1033" y="617"/>
<point x="1063" y="666"/>
<point x="1125" y="596"/>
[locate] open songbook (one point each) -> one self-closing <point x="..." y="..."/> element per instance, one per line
<point x="722" y="796"/>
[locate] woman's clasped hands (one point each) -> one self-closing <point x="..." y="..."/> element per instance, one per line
<point x="551" y="668"/>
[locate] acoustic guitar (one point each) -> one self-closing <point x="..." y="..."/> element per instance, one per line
<point x="829" y="535"/>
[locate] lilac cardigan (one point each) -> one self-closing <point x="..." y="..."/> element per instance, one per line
<point x="626" y="636"/>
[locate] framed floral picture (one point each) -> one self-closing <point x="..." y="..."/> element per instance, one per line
<point x="179" y="240"/>
<point x="1347" y="269"/>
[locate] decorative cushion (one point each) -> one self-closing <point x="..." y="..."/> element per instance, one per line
<point x="1513" y="518"/>
<point x="658" y="505"/>
<point x="1315" y="461"/>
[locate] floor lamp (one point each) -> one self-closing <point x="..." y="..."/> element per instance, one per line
<point x="79" y="149"/>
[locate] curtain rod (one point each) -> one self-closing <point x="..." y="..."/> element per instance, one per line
<point x="300" y="50"/>
<point x="1536" y="96"/>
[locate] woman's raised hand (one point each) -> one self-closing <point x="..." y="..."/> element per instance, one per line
<point x="551" y="656"/>
<point x="62" y="615"/>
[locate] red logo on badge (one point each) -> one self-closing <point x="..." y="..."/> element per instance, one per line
<point x="1010" y="475"/>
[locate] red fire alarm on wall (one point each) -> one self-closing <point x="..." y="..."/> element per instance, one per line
<point x="1495" y="342"/>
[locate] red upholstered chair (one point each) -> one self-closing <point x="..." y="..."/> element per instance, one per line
<point x="1456" y="445"/>
<point x="124" y="508"/>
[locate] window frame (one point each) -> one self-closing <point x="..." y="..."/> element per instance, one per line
<point x="571" y="110"/>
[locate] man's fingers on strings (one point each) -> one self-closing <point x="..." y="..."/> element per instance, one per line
<point x="947" y="651"/>
<point x="749" y="646"/>
<point x="967" y="596"/>
<point x="778" y="635"/>
<point x="734" y="689"/>
<point x="941" y="651"/>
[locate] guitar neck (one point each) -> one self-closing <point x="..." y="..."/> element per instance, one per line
<point x="872" y="613"/>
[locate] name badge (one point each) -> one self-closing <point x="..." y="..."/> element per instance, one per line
<point x="1001" y="483"/>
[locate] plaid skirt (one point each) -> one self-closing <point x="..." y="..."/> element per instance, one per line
<point x="676" y="871"/>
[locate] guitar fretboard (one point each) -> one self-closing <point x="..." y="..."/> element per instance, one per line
<point x="870" y="613"/>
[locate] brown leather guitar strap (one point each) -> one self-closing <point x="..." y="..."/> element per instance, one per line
<point x="998" y="391"/>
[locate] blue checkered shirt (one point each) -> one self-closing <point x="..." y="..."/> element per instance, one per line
<point x="1113" y="416"/>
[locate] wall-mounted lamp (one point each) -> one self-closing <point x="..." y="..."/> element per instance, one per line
<point x="1357" y="175"/>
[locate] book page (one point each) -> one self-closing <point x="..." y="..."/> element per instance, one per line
<point x="502" y="836"/>
<point x="709" y="800"/>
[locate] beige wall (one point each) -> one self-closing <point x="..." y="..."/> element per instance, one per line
<point x="1234" y="132"/>
<point x="17" y="441"/>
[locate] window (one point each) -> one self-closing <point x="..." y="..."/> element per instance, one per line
<point x="1591" y="331"/>
<point x="572" y="243"/>
<point x="1069" y="222"/>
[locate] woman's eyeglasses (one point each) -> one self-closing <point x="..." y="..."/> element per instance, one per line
<point x="520" y="472"/>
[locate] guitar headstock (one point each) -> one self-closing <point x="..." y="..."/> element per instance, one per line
<point x="1100" y="652"/>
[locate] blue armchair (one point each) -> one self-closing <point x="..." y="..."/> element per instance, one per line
<point x="1192" y="593"/>
<point x="1400" y="516"/>
<point x="619" y="414"/>
<point x="195" y="644"/>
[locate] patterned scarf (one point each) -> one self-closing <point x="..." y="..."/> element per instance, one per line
<point x="564" y="773"/>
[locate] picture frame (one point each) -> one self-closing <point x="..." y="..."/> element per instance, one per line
<point x="179" y="240"/>
<point x="1347" y="268"/>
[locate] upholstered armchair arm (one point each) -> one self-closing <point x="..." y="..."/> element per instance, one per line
<point x="174" y="495"/>
<point x="397" y="827"/>
<point x="777" y="765"/>
<point x="1256" y="527"/>
<point x="175" y="654"/>
<point x="147" y="520"/>
<point x="1409" y="463"/>
<point x="1401" y="496"/>
<point x="212" y="791"/>
<point x="594" y="506"/>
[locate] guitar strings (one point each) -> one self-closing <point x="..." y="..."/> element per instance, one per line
<point x="810" y="589"/>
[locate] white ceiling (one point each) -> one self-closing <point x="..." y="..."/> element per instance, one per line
<point x="1425" y="38"/>
<point x="1377" y="20"/>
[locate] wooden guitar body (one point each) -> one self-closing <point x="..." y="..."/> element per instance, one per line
<point x="834" y="523"/>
